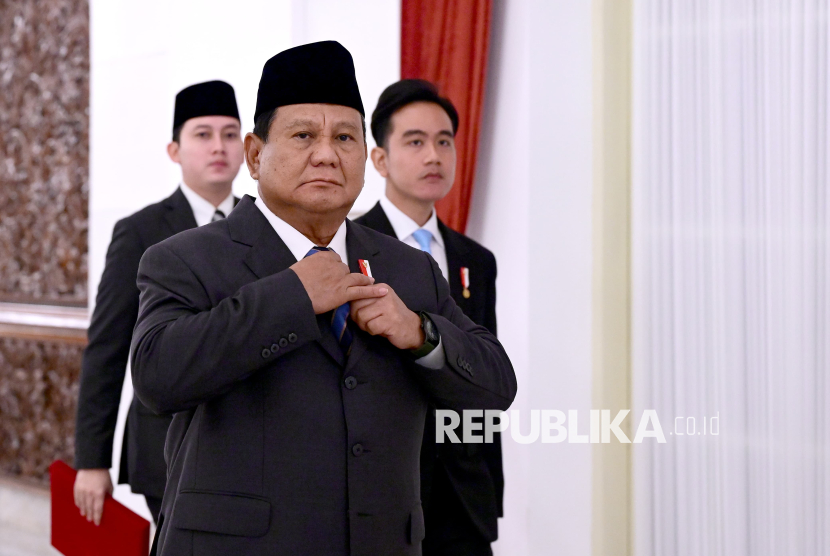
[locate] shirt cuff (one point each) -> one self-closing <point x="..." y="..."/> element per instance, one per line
<point x="435" y="359"/>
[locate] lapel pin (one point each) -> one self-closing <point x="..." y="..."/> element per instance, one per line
<point x="365" y="269"/>
<point x="465" y="282"/>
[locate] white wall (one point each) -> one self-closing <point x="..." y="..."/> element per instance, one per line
<point x="532" y="208"/>
<point x="143" y="53"/>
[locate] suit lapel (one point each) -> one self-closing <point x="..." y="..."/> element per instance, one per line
<point x="327" y="339"/>
<point x="456" y="252"/>
<point x="378" y="221"/>
<point x="360" y="246"/>
<point x="179" y="215"/>
<point x="268" y="254"/>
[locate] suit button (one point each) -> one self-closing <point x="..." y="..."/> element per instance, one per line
<point x="283" y="342"/>
<point x="292" y="338"/>
<point x="274" y="348"/>
<point x="266" y="353"/>
<point x="357" y="449"/>
<point x="351" y="382"/>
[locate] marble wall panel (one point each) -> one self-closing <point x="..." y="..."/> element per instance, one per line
<point x="44" y="150"/>
<point x="38" y="399"/>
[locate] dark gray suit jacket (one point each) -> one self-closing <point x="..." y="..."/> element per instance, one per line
<point x="280" y="444"/>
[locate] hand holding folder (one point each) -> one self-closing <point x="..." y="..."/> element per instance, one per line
<point x="121" y="532"/>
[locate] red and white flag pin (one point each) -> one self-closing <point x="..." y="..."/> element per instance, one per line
<point x="465" y="281"/>
<point x="365" y="269"/>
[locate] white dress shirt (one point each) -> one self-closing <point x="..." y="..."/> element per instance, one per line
<point x="297" y="243"/>
<point x="300" y="245"/>
<point x="404" y="226"/>
<point x="203" y="209"/>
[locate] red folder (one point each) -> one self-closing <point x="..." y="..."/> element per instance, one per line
<point x="122" y="531"/>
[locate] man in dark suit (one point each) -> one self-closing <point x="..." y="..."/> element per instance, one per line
<point x="208" y="147"/>
<point x="301" y="385"/>
<point x="414" y="127"/>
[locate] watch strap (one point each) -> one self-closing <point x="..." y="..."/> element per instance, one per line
<point x="428" y="345"/>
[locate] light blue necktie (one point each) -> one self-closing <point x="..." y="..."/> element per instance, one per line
<point x="424" y="239"/>
<point x="339" y="317"/>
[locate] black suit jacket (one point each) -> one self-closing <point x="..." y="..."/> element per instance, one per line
<point x="280" y="444"/>
<point x="105" y="357"/>
<point x="474" y="470"/>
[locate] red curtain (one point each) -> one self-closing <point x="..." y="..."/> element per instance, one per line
<point x="446" y="42"/>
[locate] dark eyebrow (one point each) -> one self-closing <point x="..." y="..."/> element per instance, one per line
<point x="313" y="125"/>
<point x="348" y="125"/>
<point x="411" y="132"/>
<point x="232" y="126"/>
<point x="300" y="123"/>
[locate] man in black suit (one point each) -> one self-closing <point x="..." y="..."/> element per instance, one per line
<point x="208" y="147"/>
<point x="301" y="385"/>
<point x="414" y="127"/>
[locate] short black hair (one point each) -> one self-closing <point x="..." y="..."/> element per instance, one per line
<point x="403" y="93"/>
<point x="263" y="122"/>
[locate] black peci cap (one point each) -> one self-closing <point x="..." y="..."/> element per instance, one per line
<point x="402" y="93"/>
<point x="212" y="98"/>
<point x="320" y="72"/>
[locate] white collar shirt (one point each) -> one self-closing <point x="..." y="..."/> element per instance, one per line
<point x="404" y="227"/>
<point x="297" y="243"/>
<point x="203" y="210"/>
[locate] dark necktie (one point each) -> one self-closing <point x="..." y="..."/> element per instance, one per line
<point x="339" y="317"/>
<point x="218" y="215"/>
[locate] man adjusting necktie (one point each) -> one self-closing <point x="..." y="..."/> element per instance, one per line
<point x="282" y="443"/>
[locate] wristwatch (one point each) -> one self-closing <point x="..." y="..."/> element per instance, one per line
<point x="431" y="337"/>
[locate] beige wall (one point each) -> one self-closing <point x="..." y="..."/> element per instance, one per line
<point x="612" y="499"/>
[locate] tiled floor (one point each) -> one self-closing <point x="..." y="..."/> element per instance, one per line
<point x="14" y="542"/>
<point x="24" y="521"/>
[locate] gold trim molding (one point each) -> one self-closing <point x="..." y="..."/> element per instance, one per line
<point x="44" y="322"/>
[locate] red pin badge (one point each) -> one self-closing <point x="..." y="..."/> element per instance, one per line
<point x="365" y="269"/>
<point x="465" y="281"/>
